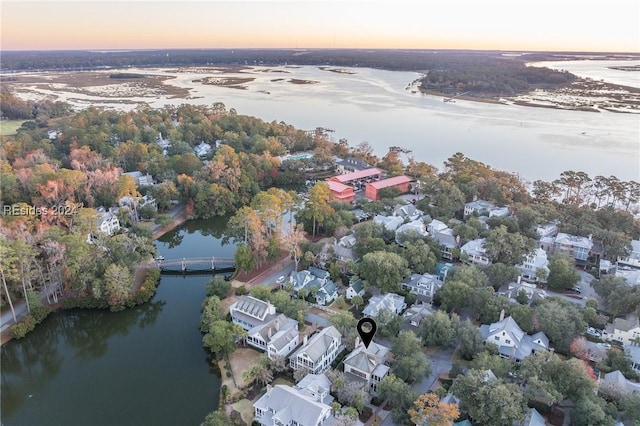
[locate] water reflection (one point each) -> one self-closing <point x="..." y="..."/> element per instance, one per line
<point x="85" y="367"/>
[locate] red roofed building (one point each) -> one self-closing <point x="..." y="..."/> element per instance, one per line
<point x="341" y="192"/>
<point x="360" y="175"/>
<point x="400" y="182"/>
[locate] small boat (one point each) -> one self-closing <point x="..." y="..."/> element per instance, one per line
<point x="159" y="258"/>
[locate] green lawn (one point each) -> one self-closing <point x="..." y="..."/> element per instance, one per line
<point x="10" y="127"/>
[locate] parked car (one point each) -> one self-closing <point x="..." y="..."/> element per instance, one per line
<point x="281" y="279"/>
<point x="594" y="332"/>
<point x="605" y="345"/>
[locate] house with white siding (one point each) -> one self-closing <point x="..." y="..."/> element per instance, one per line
<point x="277" y="337"/>
<point x="318" y="352"/>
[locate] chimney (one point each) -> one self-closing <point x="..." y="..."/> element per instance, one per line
<point x="277" y="325"/>
<point x="590" y="237"/>
<point x="304" y="340"/>
<point x="519" y="278"/>
<point x="357" y="342"/>
<point x="501" y="315"/>
<point x="269" y="332"/>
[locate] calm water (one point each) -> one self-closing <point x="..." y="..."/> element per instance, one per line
<point x="144" y="366"/>
<point x="377" y="106"/>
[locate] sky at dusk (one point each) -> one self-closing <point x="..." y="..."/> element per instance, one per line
<point x="604" y="25"/>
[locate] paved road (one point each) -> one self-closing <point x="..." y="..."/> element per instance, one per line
<point x="20" y="307"/>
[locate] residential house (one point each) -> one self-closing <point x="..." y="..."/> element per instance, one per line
<point x="390" y="223"/>
<point x="318" y="352"/>
<point x="372" y="190"/>
<point x="477" y="207"/>
<point x="415" y="227"/>
<point x="163" y="143"/>
<point x="631" y="276"/>
<point x="356" y="288"/>
<point x="202" y="149"/>
<point x="342" y="250"/>
<point x="277" y="337"/>
<point x="532" y="264"/>
<point x="389" y="301"/>
<point x="412" y="318"/>
<point x="316" y="278"/>
<point x="141" y="179"/>
<point x="632" y="260"/>
<point x="618" y="379"/>
<point x="284" y="405"/>
<point x="367" y="365"/>
<point x="108" y="222"/>
<point x="625" y="331"/>
<point x="547" y="230"/>
<point x="584" y="250"/>
<point x="350" y="164"/>
<point x="317" y="386"/>
<point x="407" y="212"/>
<point x="444" y="236"/>
<point x="249" y="312"/>
<point x="633" y="350"/>
<point x="423" y="285"/>
<point x="531" y="290"/>
<point x="512" y="342"/>
<point x="476" y="252"/>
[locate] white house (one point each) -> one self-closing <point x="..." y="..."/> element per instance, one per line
<point x="249" y="312"/>
<point x="327" y="291"/>
<point x="632" y="260"/>
<point x="625" y="331"/>
<point x="512" y="342"/>
<point x="390" y="223"/>
<point x="412" y="318"/>
<point x="202" y="149"/>
<point x="317" y="353"/>
<point x="583" y="249"/>
<point x="476" y="252"/>
<point x="633" y="350"/>
<point x="277" y="337"/>
<point x="317" y="386"/>
<point x="108" y="222"/>
<point x="479" y="207"/>
<point x="141" y="179"/>
<point x="390" y="301"/>
<point x="416" y="227"/>
<point x="367" y="364"/>
<point x="422" y="285"/>
<point x="532" y="291"/>
<point x="355" y="288"/>
<point x="532" y="263"/>
<point x="618" y="379"/>
<point x="286" y="405"/>
<point x="547" y="230"/>
<point x="407" y="211"/>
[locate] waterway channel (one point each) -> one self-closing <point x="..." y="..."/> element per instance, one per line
<point x="143" y="366"/>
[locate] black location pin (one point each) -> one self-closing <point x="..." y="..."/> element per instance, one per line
<point x="366" y="329"/>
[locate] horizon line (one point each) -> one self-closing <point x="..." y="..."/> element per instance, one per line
<point x="151" y="49"/>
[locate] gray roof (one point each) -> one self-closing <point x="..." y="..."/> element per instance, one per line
<point x="251" y="306"/>
<point x="357" y="286"/>
<point x="367" y="359"/>
<point x="319" y="343"/>
<point x="314" y="385"/>
<point x="281" y="328"/>
<point x="524" y="344"/>
<point x="289" y="404"/>
<point x="534" y="419"/>
<point x="626" y="325"/>
<point x="390" y="301"/>
<point x="446" y="239"/>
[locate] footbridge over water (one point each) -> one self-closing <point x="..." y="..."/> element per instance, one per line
<point x="196" y="264"/>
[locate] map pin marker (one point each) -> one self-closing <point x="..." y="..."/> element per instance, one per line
<point x="366" y="329"/>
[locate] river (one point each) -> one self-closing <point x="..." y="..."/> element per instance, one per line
<point x="378" y="107"/>
<point x="142" y="366"/>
